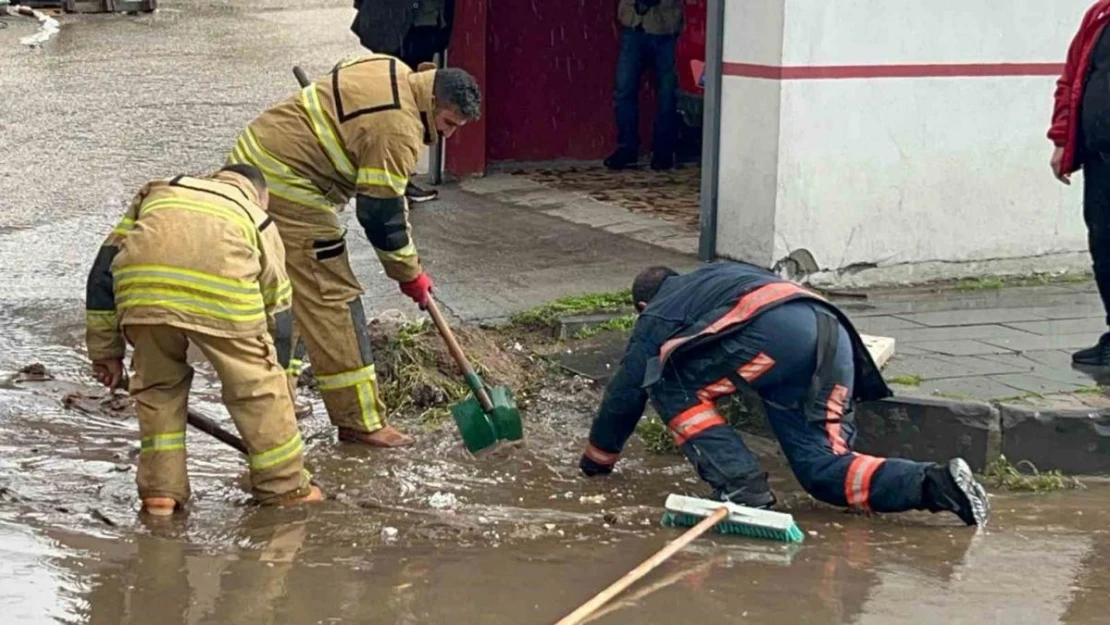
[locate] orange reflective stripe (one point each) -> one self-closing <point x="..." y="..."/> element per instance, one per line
<point x="694" y="421"/>
<point x="857" y="485"/>
<point x="834" y="411"/>
<point x="758" y="366"/>
<point x="717" y="389"/>
<point x="745" y="309"/>
<point x="605" y="458"/>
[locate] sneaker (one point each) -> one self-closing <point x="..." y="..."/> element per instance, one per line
<point x="954" y="488"/>
<point x="417" y="194"/>
<point x="662" y="162"/>
<point x="752" y="491"/>
<point x="622" y="159"/>
<point x="1096" y="356"/>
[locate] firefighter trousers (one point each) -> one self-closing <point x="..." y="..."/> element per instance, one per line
<point x="328" y="316"/>
<point x="253" y="389"/>
<point x="777" y="356"/>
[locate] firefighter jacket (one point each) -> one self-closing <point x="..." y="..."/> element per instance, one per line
<point x="655" y="17"/>
<point x="359" y="129"/>
<point x="694" y="309"/>
<point x="195" y="253"/>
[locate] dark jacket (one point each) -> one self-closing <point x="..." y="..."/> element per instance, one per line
<point x="381" y="25"/>
<point x="693" y="310"/>
<point x="1064" y="131"/>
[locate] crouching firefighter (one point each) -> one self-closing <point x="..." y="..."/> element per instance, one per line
<point x="730" y="326"/>
<point x="198" y="261"/>
<point x="356" y="132"/>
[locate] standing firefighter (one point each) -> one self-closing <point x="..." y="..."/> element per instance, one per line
<point x="357" y="131"/>
<point x="724" y="327"/>
<point x="197" y="260"/>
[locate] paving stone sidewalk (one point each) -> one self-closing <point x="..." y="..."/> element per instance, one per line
<point x="986" y="344"/>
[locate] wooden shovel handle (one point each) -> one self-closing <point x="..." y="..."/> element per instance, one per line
<point x="647" y="566"/>
<point x="457" y="354"/>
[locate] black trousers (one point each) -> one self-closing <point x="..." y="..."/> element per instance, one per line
<point x="1096" y="213"/>
<point x="421" y="44"/>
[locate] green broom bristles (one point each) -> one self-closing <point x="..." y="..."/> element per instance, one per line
<point x="689" y="511"/>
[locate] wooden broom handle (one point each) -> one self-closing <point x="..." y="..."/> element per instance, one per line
<point x="457" y="354"/>
<point x="603" y="597"/>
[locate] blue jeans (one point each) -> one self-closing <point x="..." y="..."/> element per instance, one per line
<point x="636" y="48"/>
<point x="775" y="355"/>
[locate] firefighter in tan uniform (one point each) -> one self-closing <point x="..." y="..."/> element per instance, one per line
<point x="197" y="260"/>
<point x="357" y="131"/>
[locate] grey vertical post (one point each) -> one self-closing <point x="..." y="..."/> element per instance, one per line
<point x="435" y="159"/>
<point x="711" y="129"/>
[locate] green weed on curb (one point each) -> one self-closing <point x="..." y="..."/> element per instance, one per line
<point x="1005" y="475"/>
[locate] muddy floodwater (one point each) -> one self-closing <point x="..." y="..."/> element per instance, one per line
<point x="426" y="535"/>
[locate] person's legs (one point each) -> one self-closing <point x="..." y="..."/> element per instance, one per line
<point x="160" y="387"/>
<point x="666" y="115"/>
<point x="626" y="101"/>
<point x="1096" y="213"/>
<point x="420" y="46"/>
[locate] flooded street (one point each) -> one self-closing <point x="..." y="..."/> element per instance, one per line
<point x="426" y="535"/>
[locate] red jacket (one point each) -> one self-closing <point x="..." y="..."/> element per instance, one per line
<point x="1069" y="88"/>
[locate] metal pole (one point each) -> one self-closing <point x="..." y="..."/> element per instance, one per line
<point x="435" y="158"/>
<point x="711" y="129"/>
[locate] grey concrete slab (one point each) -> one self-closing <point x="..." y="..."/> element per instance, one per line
<point x="957" y="348"/>
<point x="971" y="317"/>
<point x="979" y="388"/>
<point x="935" y="366"/>
<point x="1052" y="367"/>
<point x="1032" y="383"/>
<point x="1092" y="308"/>
<point x="957" y="333"/>
<point x="1037" y="342"/>
<point x="1094" y="325"/>
<point x="883" y="324"/>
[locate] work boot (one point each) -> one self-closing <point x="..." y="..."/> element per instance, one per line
<point x="417" y="194"/>
<point x="623" y="158"/>
<point x="752" y="491"/>
<point x="302" y="409"/>
<point x="159" y="506"/>
<point x="954" y="488"/>
<point x="314" y="495"/>
<point x="388" y="436"/>
<point x="1096" y="356"/>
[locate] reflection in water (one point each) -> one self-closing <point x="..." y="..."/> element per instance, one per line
<point x="35" y="587"/>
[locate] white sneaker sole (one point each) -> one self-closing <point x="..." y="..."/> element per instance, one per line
<point x="972" y="489"/>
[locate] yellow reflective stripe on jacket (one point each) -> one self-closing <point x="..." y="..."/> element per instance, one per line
<point x="280" y="294"/>
<point x="100" y="318"/>
<point x="373" y="177"/>
<point x="188" y="290"/>
<point x="346" y="379"/>
<point x="325" y="133"/>
<point x="185" y="302"/>
<point x="281" y="179"/>
<point x="285" y="452"/>
<point x="124" y="226"/>
<point x="248" y="228"/>
<point x="400" y="255"/>
<point x="241" y="291"/>
<point x="163" y="442"/>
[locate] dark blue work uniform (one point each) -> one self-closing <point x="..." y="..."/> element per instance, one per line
<point x="708" y="333"/>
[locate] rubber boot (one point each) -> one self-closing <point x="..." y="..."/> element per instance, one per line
<point x="159" y="506"/>
<point x="387" y="436"/>
<point x="953" y="488"/>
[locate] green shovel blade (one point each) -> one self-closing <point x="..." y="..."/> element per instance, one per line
<point x="477" y="430"/>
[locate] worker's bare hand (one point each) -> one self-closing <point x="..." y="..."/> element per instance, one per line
<point x="108" y="371"/>
<point x="1057" y="164"/>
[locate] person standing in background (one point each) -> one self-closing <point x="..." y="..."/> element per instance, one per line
<point x="649" y="33"/>
<point x="411" y="30"/>
<point x="1081" y="133"/>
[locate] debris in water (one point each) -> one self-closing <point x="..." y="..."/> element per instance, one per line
<point x="591" y="499"/>
<point x="389" y="533"/>
<point x="610" y="518"/>
<point x="36" y="372"/>
<point x="442" y="500"/>
<point x="549" y="526"/>
<point x="122" y="468"/>
<point x="100" y="516"/>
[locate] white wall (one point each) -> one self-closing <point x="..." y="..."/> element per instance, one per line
<point x="896" y="179"/>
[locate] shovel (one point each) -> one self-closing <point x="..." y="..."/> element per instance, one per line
<point x="490" y="415"/>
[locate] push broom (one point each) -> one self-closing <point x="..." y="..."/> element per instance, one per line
<point x="704" y="515"/>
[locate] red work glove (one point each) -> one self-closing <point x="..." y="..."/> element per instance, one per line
<point x="419" y="289"/>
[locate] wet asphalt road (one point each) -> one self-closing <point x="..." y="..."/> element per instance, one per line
<point x="425" y="535"/>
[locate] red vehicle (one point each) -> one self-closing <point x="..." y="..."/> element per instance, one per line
<point x="690" y="61"/>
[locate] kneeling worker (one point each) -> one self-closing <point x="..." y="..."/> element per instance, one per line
<point x="706" y="334"/>
<point x="356" y="132"/>
<point x="197" y="260"/>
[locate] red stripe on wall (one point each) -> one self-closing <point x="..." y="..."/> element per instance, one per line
<point x="839" y="72"/>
